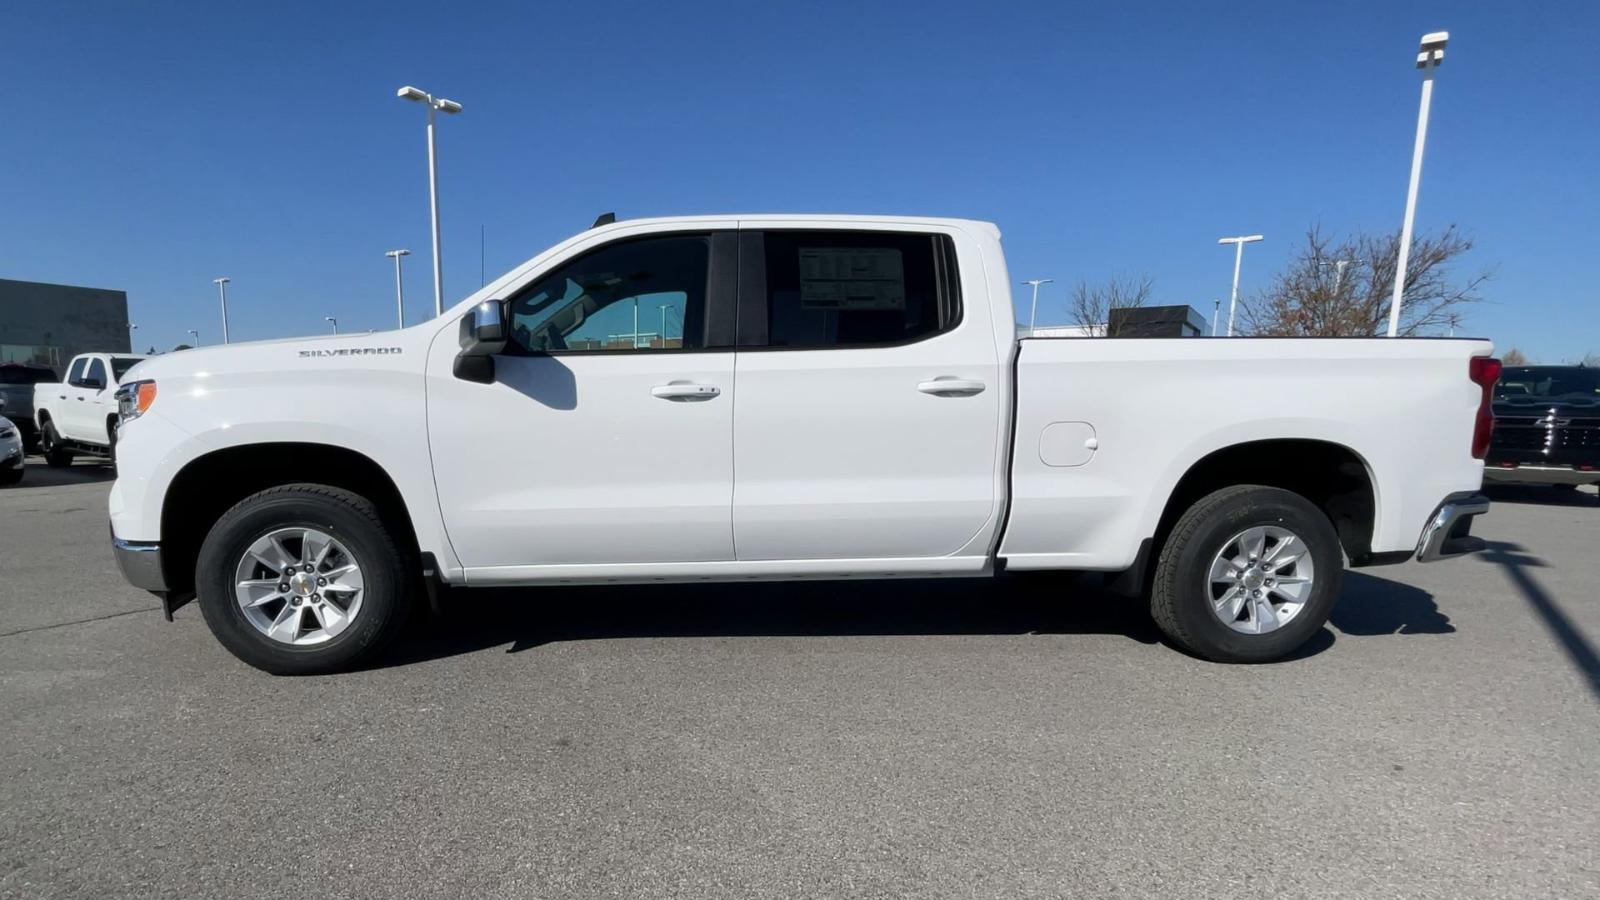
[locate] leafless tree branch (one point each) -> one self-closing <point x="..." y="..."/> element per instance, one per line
<point x="1344" y="287"/>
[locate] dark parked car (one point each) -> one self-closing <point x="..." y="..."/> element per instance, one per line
<point x="16" y="389"/>
<point x="1546" y="426"/>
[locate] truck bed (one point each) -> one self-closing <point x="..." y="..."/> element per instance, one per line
<point x="1106" y="429"/>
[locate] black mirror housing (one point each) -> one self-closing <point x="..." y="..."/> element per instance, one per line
<point x="484" y="332"/>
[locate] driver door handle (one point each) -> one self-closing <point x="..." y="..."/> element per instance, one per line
<point x="952" y="387"/>
<point x="684" y="391"/>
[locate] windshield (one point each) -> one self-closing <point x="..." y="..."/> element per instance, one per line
<point x="1533" y="385"/>
<point x="120" y="366"/>
<point x="25" y="375"/>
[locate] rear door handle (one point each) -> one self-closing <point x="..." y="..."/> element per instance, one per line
<point x="946" y="386"/>
<point x="684" y="391"/>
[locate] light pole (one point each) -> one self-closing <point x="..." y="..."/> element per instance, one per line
<point x="1216" y="313"/>
<point x="1338" y="270"/>
<point x="399" y="290"/>
<point x="1033" y="311"/>
<point x="196" y="335"/>
<point x="449" y="107"/>
<point x="335" y="322"/>
<point x="1429" y="56"/>
<point x="1238" y="259"/>
<point x="664" y="308"/>
<point x="222" y="290"/>
<point x="131" y="329"/>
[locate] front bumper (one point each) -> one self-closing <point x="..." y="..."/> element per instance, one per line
<point x="1532" y="474"/>
<point x="140" y="562"/>
<point x="1449" y="530"/>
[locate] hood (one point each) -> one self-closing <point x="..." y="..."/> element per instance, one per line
<point x="295" y="353"/>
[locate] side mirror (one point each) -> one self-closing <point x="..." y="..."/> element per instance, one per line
<point x="484" y="332"/>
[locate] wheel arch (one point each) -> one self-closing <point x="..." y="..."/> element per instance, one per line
<point x="212" y="483"/>
<point x="1333" y="476"/>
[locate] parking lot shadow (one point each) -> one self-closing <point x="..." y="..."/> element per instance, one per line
<point x="1541" y="495"/>
<point x="1519" y="564"/>
<point x="472" y="620"/>
<point x="1371" y="605"/>
<point x="82" y="471"/>
<point x="526" y="618"/>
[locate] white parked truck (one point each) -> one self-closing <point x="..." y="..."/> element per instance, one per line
<point x="783" y="397"/>
<point x="79" y="415"/>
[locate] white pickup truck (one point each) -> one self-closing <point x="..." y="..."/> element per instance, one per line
<point x="79" y="415"/>
<point x="783" y="397"/>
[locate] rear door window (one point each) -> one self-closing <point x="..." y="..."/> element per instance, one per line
<point x="97" y="372"/>
<point x="825" y="289"/>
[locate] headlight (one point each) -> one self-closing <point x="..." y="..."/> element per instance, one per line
<point x="134" y="398"/>
<point x="7" y="434"/>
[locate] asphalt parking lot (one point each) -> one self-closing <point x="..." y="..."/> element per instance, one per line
<point x="1441" y="738"/>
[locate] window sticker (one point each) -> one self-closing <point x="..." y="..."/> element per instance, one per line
<point x="852" y="278"/>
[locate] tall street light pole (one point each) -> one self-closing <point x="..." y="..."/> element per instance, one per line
<point x="196" y="335"/>
<point x="222" y="291"/>
<point x="1429" y="56"/>
<point x="449" y="107"/>
<point x="1216" y="313"/>
<point x="399" y="289"/>
<point x="131" y="329"/>
<point x="335" y="322"/>
<point x="1238" y="259"/>
<point x="1033" y="311"/>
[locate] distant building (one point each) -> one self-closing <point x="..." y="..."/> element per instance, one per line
<point x="48" y="324"/>
<point x="1133" y="321"/>
<point x="1157" y="321"/>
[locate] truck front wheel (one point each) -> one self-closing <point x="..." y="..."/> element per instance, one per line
<point x="1248" y="574"/>
<point x="55" y="455"/>
<point x="303" y="579"/>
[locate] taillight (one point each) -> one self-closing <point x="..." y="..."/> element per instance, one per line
<point x="1484" y="372"/>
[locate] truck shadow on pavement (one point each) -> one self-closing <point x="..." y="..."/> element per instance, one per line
<point x="527" y="618"/>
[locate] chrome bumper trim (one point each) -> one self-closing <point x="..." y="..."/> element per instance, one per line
<point x="1448" y="530"/>
<point x="140" y="562"/>
<point x="1540" y="475"/>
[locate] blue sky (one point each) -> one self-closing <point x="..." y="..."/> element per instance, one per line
<point x="152" y="147"/>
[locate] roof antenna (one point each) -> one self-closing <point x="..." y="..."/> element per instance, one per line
<point x="604" y="219"/>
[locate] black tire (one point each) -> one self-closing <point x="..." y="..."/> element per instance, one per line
<point x="387" y="570"/>
<point x="1565" y="487"/>
<point x="1180" y="600"/>
<point x="11" y="476"/>
<point x="55" y="455"/>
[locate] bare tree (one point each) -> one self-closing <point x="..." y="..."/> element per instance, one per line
<point x="1514" y="357"/>
<point x="1591" y="360"/>
<point x="1092" y="303"/>
<point x="1344" y="288"/>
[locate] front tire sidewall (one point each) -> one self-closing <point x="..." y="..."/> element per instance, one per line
<point x="55" y="456"/>
<point x="1183" y="574"/>
<point x="383" y="599"/>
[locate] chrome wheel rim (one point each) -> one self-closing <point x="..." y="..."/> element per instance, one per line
<point x="298" y="586"/>
<point x="1260" y="579"/>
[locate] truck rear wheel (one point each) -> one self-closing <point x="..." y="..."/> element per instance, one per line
<point x="303" y="579"/>
<point x="1248" y="574"/>
<point x="55" y="455"/>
